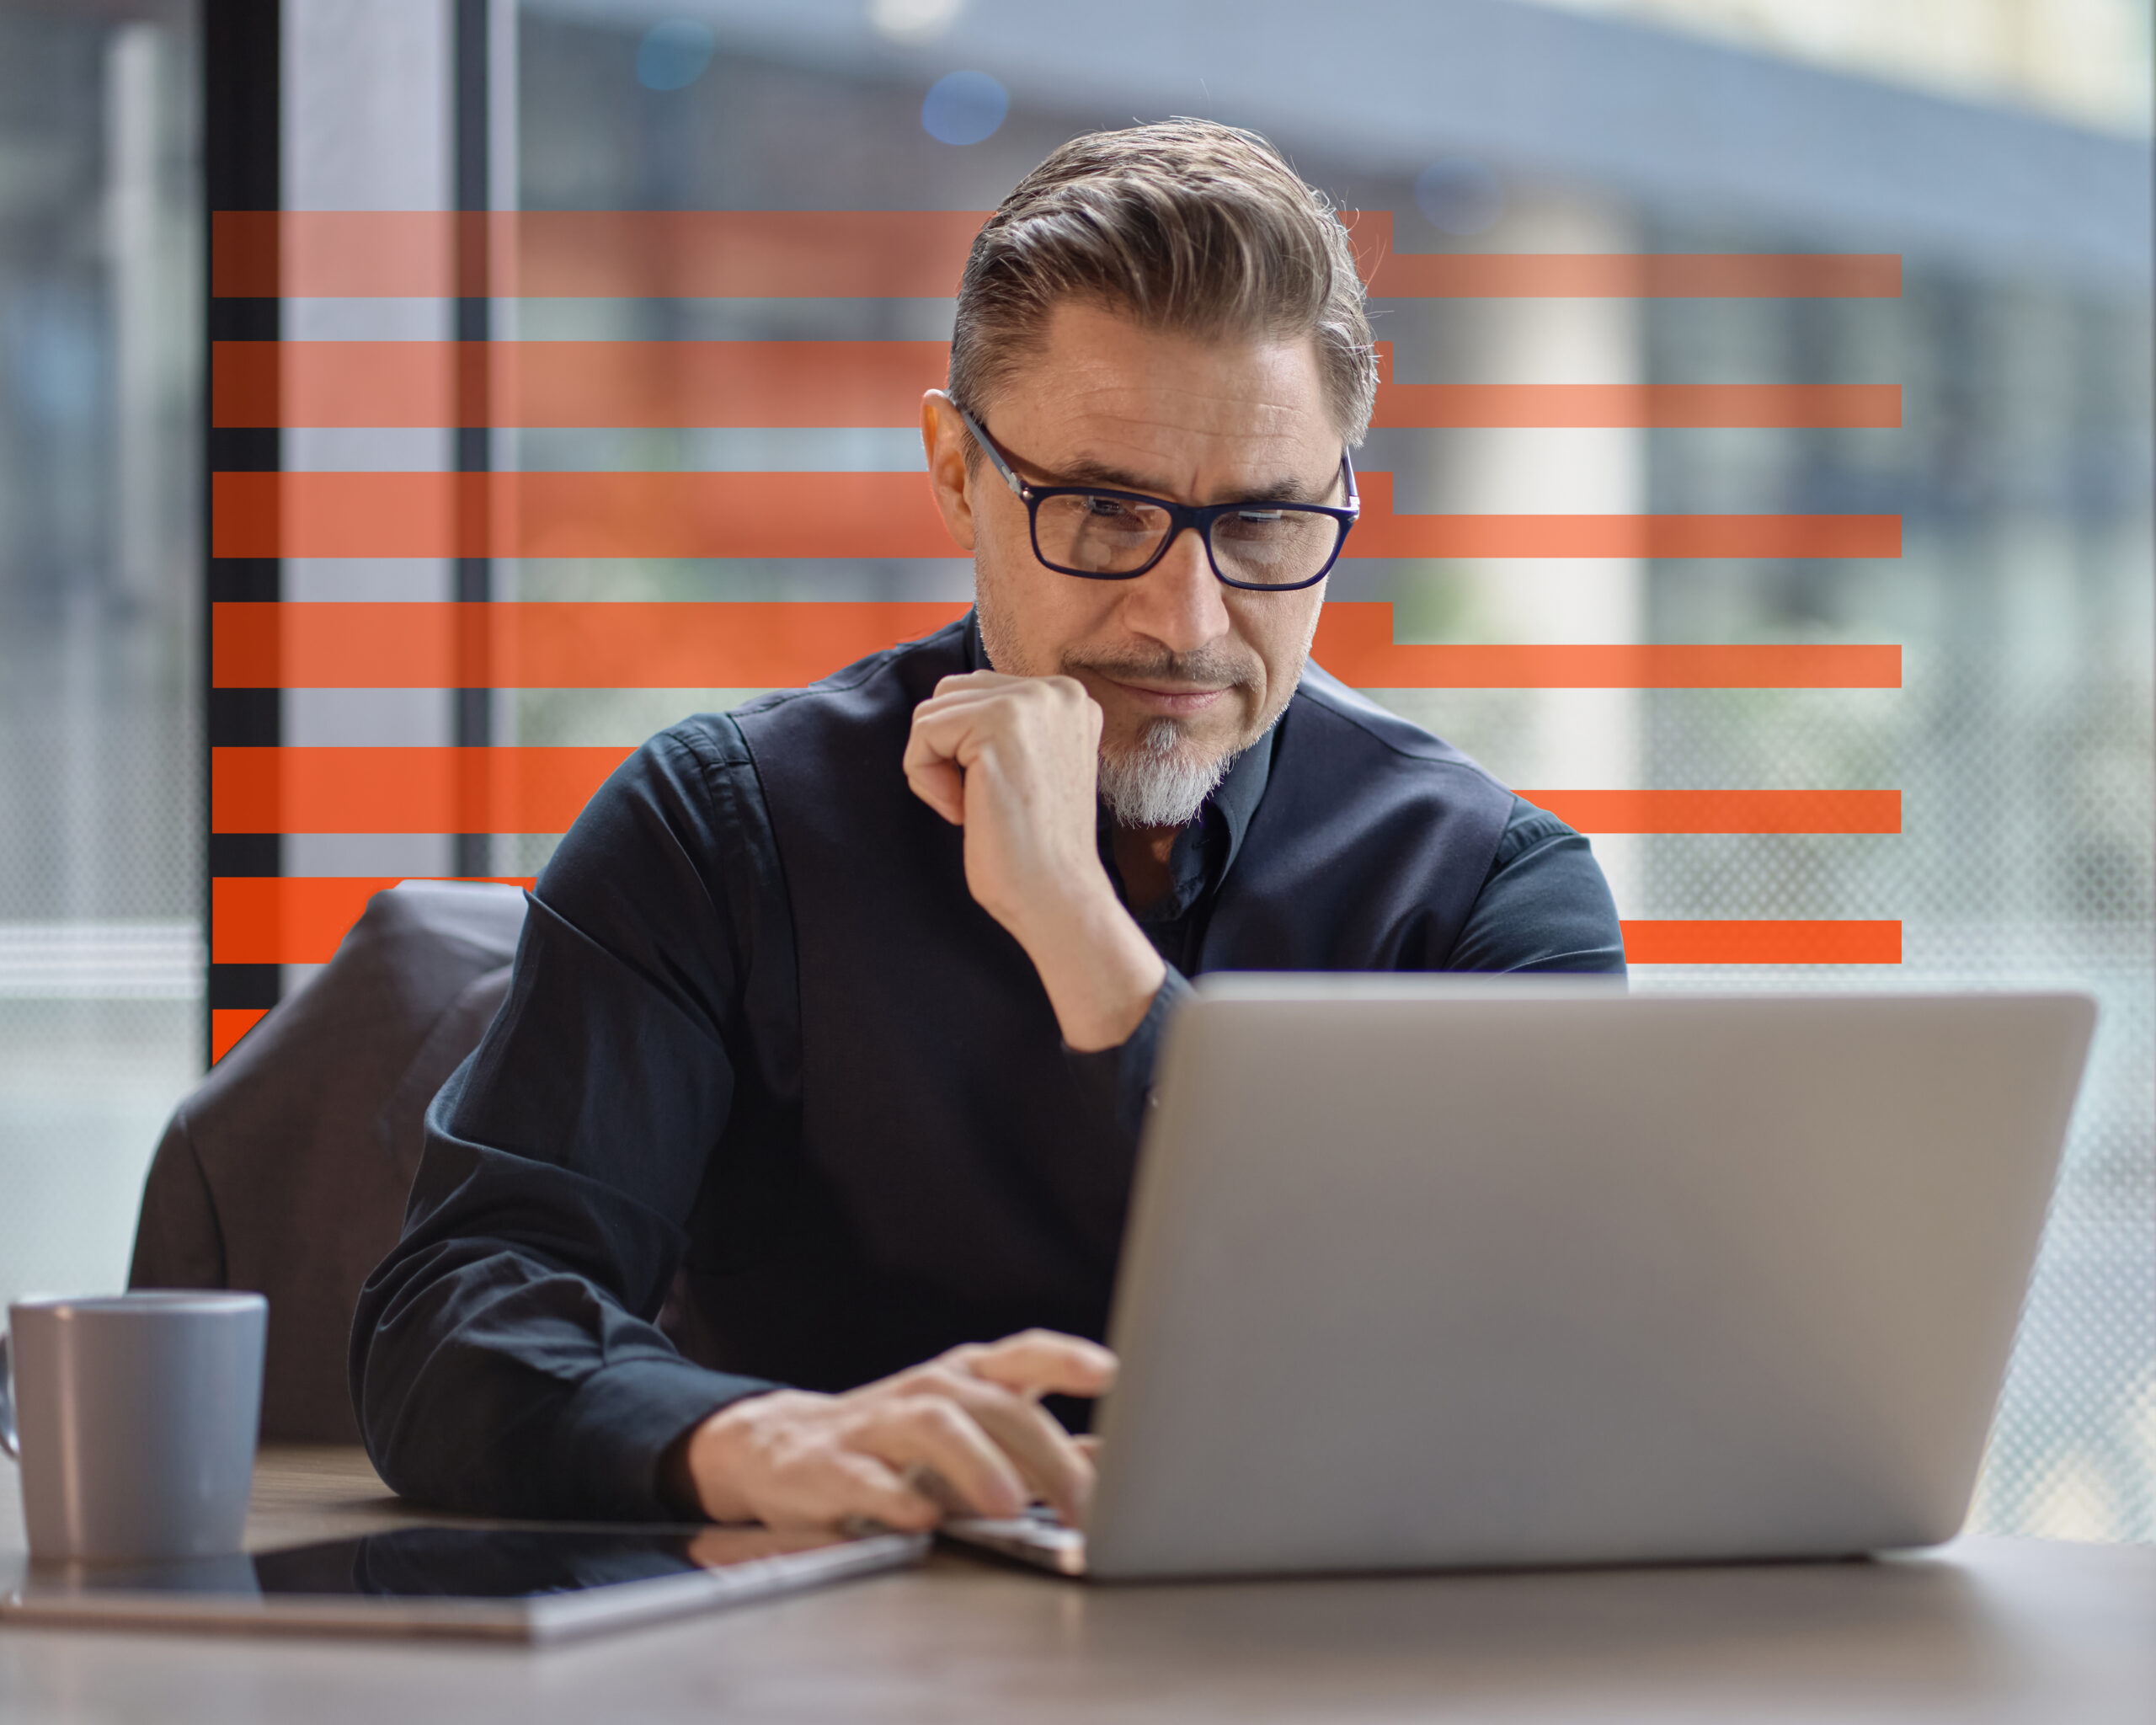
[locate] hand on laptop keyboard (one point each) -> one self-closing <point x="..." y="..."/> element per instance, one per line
<point x="970" y="1420"/>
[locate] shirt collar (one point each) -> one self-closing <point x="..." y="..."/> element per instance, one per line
<point x="1236" y="798"/>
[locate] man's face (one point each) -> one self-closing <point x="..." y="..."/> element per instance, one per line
<point x="1188" y="671"/>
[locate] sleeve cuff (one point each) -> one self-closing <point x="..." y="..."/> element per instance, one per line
<point x="1120" y="1079"/>
<point x="621" y="1421"/>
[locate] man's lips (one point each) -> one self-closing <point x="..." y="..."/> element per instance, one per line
<point x="1180" y="698"/>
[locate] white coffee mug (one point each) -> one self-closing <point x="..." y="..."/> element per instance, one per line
<point x="134" y="1418"/>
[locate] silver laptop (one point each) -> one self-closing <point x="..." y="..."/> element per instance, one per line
<point x="1441" y="1272"/>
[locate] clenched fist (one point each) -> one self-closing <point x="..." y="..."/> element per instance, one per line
<point x="1015" y="761"/>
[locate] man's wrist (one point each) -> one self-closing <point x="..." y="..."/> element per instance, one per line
<point x="1100" y="971"/>
<point x="693" y="1475"/>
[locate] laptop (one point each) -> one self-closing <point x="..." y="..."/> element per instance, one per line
<point x="1439" y="1272"/>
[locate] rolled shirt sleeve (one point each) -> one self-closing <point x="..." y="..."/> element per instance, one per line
<point x="1120" y="1079"/>
<point x="506" y="1356"/>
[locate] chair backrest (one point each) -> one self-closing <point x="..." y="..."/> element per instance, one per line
<point x="286" y="1170"/>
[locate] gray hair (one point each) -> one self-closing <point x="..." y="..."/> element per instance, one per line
<point x="1187" y="224"/>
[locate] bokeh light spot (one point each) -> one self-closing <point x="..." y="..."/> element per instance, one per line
<point x="964" y="108"/>
<point x="1461" y="195"/>
<point x="675" y="54"/>
<point x="913" y="21"/>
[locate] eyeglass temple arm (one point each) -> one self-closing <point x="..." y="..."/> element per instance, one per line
<point x="1018" y="485"/>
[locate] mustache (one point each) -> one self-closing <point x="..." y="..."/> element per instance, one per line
<point x="1207" y="667"/>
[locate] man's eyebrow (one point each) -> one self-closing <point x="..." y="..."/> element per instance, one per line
<point x="1083" y="470"/>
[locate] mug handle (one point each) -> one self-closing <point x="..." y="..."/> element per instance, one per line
<point x="9" y="1441"/>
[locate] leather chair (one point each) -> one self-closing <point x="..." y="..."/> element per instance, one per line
<point x="286" y="1170"/>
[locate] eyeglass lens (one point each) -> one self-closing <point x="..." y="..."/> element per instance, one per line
<point x="1115" y="535"/>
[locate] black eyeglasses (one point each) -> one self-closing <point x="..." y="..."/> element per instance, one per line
<point x="1116" y="535"/>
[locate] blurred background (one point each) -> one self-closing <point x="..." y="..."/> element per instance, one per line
<point x="1999" y="147"/>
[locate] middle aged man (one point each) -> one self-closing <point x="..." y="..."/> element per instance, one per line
<point x="844" y="1006"/>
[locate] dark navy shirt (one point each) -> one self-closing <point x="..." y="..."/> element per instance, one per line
<point x="633" y="1117"/>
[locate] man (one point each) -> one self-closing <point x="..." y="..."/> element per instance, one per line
<point x="846" y="1005"/>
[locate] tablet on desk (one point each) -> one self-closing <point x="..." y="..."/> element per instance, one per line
<point x="536" y="1585"/>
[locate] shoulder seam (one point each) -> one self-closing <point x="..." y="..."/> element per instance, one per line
<point x="1324" y="698"/>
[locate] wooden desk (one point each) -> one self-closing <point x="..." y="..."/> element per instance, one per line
<point x="1985" y="1631"/>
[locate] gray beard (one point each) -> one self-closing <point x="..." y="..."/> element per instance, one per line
<point x="1160" y="782"/>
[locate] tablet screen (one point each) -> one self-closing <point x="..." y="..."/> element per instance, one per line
<point x="537" y="1583"/>
<point x="483" y="1563"/>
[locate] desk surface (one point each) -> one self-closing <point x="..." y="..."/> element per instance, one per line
<point x="1982" y="1630"/>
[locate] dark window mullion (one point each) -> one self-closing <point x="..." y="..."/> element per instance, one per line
<point x="241" y="169"/>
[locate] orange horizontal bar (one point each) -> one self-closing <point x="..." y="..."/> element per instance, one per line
<point x="542" y="789"/>
<point x="872" y="253"/>
<point x="1762" y="942"/>
<point x="403" y="790"/>
<point x="574" y="383"/>
<point x="1381" y="533"/>
<point x="870" y="516"/>
<point x="591" y="254"/>
<point x="752" y="644"/>
<point x="1705" y="811"/>
<point x="227" y="1024"/>
<point x="1626" y="276"/>
<point x="301" y="921"/>
<point x="1659" y="405"/>
<point x="857" y="384"/>
<point x="774" y="645"/>
<point x="1355" y="642"/>
<point x="576" y="515"/>
<point x="293" y="919"/>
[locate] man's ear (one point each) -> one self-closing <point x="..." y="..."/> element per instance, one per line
<point x="943" y="439"/>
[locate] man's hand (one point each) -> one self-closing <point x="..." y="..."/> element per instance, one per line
<point x="968" y="1422"/>
<point x="1015" y="761"/>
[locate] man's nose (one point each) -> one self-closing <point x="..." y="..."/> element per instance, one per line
<point x="1177" y="602"/>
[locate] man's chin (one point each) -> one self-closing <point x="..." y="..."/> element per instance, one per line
<point x="1163" y="777"/>
<point x="1132" y="728"/>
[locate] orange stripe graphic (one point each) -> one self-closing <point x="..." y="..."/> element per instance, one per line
<point x="877" y="253"/>
<point x="858" y="383"/>
<point x="773" y="645"/>
<point x="1355" y="642"/>
<point x="577" y="515"/>
<point x="1620" y="275"/>
<point x="1703" y="811"/>
<point x="299" y="921"/>
<point x="574" y="383"/>
<point x="542" y="789"/>
<point x="292" y="920"/>
<point x="592" y="253"/>
<point x="1763" y="942"/>
<point x="870" y="516"/>
<point x="403" y="790"/>
<point x="505" y="645"/>
<point x="227" y="1024"/>
<point x="1469" y="406"/>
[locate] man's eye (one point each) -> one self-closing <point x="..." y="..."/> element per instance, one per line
<point x="1105" y="509"/>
